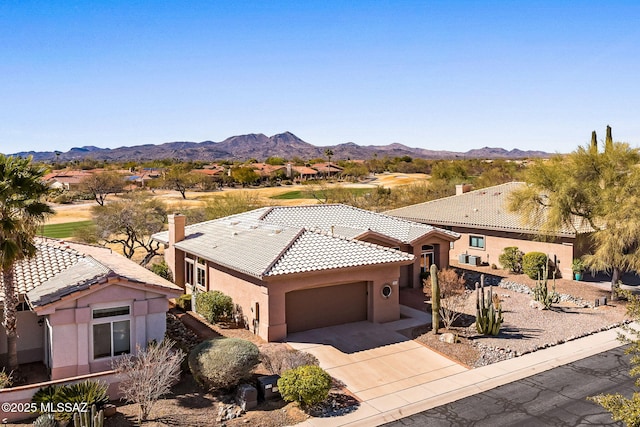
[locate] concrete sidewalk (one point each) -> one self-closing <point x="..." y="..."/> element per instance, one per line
<point x="417" y="398"/>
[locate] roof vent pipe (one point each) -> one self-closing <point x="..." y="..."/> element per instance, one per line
<point x="332" y="228"/>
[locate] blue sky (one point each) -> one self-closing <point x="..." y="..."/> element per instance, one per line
<point x="451" y="75"/>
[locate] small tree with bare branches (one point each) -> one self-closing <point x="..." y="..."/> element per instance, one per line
<point x="452" y="296"/>
<point x="149" y="374"/>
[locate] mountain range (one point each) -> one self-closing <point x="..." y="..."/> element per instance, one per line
<point x="259" y="146"/>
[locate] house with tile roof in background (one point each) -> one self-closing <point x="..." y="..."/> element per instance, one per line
<point x="290" y="269"/>
<point x="486" y="227"/>
<point x="81" y="306"/>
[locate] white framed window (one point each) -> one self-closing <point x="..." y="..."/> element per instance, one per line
<point x="189" y="271"/>
<point x="476" y="242"/>
<point x="201" y="274"/>
<point x="426" y="258"/>
<point x="110" y="331"/>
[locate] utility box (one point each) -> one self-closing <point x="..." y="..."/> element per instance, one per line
<point x="247" y="397"/>
<point x="268" y="387"/>
<point x="463" y="259"/>
<point x="474" y="260"/>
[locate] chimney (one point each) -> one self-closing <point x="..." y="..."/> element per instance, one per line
<point x="463" y="188"/>
<point x="289" y="170"/>
<point x="173" y="256"/>
<point x="176" y="228"/>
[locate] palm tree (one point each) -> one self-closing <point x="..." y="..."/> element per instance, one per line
<point x="328" y="152"/>
<point x="21" y="211"/>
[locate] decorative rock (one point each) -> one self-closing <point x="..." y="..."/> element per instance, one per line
<point x="537" y="305"/>
<point x="448" y="337"/>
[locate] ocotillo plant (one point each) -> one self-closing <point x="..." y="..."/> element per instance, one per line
<point x="435" y="299"/>
<point x="488" y="319"/>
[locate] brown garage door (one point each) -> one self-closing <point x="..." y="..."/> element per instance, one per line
<point x="326" y="306"/>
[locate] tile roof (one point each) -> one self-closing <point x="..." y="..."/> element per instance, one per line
<point x="62" y="268"/>
<point x="314" y="251"/>
<point x="284" y="240"/>
<point x="481" y="209"/>
<point x="343" y="217"/>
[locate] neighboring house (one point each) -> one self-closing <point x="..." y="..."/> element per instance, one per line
<point x="300" y="173"/>
<point x="327" y="169"/>
<point x="487" y="227"/>
<point x="66" y="179"/>
<point x="81" y="306"/>
<point x="267" y="171"/>
<point x="295" y="268"/>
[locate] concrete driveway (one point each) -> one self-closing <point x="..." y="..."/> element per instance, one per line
<point x="374" y="360"/>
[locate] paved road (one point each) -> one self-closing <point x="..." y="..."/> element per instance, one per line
<point x="552" y="398"/>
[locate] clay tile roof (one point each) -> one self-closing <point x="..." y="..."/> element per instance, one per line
<point x="62" y="268"/>
<point x="282" y="240"/>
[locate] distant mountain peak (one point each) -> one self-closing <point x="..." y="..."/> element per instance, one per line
<point x="260" y="146"/>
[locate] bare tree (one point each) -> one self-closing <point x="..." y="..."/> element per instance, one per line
<point x="130" y="223"/>
<point x="452" y="296"/>
<point x="100" y="185"/>
<point x="149" y="374"/>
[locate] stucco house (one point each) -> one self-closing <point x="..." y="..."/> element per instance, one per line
<point x="290" y="269"/>
<point x="81" y="306"/>
<point x="486" y="227"/>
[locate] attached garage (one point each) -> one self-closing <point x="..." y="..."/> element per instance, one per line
<point x="326" y="306"/>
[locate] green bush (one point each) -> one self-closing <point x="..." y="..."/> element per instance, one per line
<point x="162" y="269"/>
<point x="306" y="385"/>
<point x="533" y="264"/>
<point x="511" y="259"/>
<point x="223" y="363"/>
<point x="184" y="302"/>
<point x="214" y="305"/>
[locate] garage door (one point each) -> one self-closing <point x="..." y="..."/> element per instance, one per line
<point x="326" y="306"/>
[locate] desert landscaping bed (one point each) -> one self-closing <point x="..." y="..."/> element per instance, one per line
<point x="525" y="329"/>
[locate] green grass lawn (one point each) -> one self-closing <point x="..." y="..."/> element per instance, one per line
<point x="60" y="231"/>
<point x="299" y="194"/>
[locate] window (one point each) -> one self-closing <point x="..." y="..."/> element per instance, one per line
<point x="476" y="242"/>
<point x="111" y="331"/>
<point x="201" y="273"/>
<point x="195" y="272"/>
<point x="188" y="271"/>
<point x="426" y="258"/>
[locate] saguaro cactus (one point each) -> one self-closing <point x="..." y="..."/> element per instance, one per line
<point x="86" y="419"/>
<point x="435" y="299"/>
<point x="488" y="319"/>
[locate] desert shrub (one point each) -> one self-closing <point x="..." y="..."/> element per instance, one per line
<point x="5" y="379"/>
<point x="148" y="375"/>
<point x="222" y="363"/>
<point x="162" y="269"/>
<point x="89" y="392"/>
<point x="184" y="302"/>
<point x="533" y="264"/>
<point x="214" y="305"/>
<point x="277" y="358"/>
<point x="511" y="259"/>
<point x="452" y="296"/>
<point x="45" y="420"/>
<point x="306" y="385"/>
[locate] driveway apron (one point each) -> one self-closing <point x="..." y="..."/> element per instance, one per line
<point x="374" y="360"/>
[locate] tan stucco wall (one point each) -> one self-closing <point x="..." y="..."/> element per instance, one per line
<point x="495" y="242"/>
<point x="247" y="291"/>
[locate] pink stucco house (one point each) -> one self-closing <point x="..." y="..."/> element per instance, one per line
<point x="81" y="306"/>
<point x="290" y="269"/>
